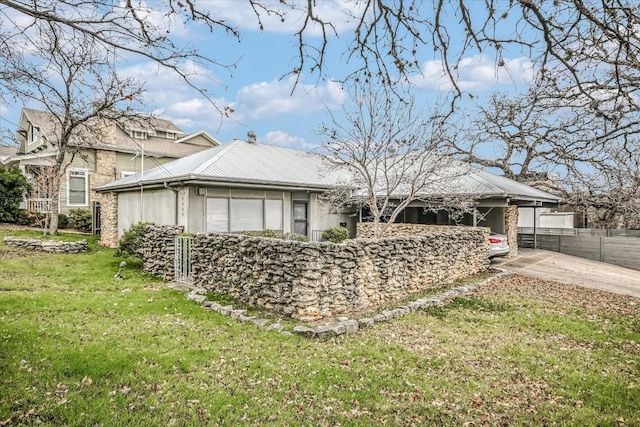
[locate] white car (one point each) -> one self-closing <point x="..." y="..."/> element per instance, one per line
<point x="498" y="245"/>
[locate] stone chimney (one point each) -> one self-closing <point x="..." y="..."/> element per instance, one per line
<point x="105" y="130"/>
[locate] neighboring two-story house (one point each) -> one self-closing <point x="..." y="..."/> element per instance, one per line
<point x="120" y="148"/>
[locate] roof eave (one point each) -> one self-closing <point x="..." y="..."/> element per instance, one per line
<point x="200" y="181"/>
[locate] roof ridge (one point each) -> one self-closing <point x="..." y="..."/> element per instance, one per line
<point x="475" y="173"/>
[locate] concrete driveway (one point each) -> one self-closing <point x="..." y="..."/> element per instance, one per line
<point x="569" y="269"/>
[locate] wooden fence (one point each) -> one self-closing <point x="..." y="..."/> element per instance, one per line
<point x="622" y="251"/>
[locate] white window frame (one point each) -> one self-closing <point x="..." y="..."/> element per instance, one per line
<point x="231" y="224"/>
<point x="139" y="134"/>
<point x="33" y="135"/>
<point x="172" y="135"/>
<point x="85" y="173"/>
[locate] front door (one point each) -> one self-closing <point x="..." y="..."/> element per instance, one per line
<point x="300" y="218"/>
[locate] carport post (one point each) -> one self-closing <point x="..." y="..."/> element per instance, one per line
<point x="535" y="230"/>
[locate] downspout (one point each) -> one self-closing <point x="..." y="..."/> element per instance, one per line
<point x="167" y="186"/>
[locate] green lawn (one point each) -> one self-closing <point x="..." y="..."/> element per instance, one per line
<point x="80" y="348"/>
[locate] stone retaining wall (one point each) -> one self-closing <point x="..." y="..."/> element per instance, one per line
<point x="48" y="245"/>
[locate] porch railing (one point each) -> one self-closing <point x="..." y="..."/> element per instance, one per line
<point x="38" y="205"/>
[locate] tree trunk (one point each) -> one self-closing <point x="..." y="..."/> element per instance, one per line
<point x="57" y="170"/>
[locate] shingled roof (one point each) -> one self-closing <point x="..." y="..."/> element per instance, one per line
<point x="153" y="146"/>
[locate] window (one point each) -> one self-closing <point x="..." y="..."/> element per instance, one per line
<point x="33" y="135"/>
<point x="273" y="215"/>
<point x="77" y="185"/>
<point x="139" y="134"/>
<point x="171" y="135"/>
<point x="235" y="215"/>
<point x="217" y="215"/>
<point x="247" y="215"/>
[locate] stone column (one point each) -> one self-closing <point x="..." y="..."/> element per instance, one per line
<point x="511" y="229"/>
<point x="109" y="219"/>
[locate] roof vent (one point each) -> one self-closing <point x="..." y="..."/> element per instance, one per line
<point x="251" y="137"/>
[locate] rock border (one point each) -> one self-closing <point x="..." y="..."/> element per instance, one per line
<point x="52" y="246"/>
<point x="343" y="325"/>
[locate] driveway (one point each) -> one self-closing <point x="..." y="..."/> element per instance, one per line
<point x="569" y="269"/>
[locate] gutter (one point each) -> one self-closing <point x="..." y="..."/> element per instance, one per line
<point x="162" y="183"/>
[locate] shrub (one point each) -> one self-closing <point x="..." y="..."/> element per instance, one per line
<point x="13" y="187"/>
<point x="335" y="234"/>
<point x="131" y="242"/>
<point x="21" y="217"/>
<point x="80" y="219"/>
<point x="296" y="237"/>
<point x="63" y="221"/>
<point x="31" y="218"/>
<point x="264" y="233"/>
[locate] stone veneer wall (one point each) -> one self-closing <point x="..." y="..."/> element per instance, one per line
<point x="109" y="220"/>
<point x="158" y="250"/>
<point x="315" y="280"/>
<point x="511" y="229"/>
<point x="48" y="245"/>
<point x="105" y="173"/>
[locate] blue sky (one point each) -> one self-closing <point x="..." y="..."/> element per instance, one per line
<point x="261" y="97"/>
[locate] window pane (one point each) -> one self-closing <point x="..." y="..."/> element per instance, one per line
<point x="246" y="215"/>
<point x="217" y="215"/>
<point x="273" y="215"/>
<point x="299" y="210"/>
<point x="300" y="228"/>
<point x="77" y="188"/>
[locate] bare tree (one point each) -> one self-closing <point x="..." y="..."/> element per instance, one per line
<point x="386" y="151"/>
<point x="587" y="49"/>
<point x="535" y="132"/>
<point x="76" y="82"/>
<point x="608" y="194"/>
<point x="122" y="28"/>
<point x="42" y="187"/>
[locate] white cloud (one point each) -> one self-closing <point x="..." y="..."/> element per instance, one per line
<point x="275" y="98"/>
<point x="241" y="15"/>
<point x="173" y="99"/>
<point x="478" y="72"/>
<point x="283" y="139"/>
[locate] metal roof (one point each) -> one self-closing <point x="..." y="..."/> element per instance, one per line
<point x="240" y="162"/>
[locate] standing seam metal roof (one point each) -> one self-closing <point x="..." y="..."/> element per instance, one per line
<point x="243" y="162"/>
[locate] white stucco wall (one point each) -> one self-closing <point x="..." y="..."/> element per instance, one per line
<point x="545" y="218"/>
<point x="322" y="218"/>
<point x="158" y="206"/>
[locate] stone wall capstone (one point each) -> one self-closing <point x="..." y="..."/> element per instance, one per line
<point x="314" y="280"/>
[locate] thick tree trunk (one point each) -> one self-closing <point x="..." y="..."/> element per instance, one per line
<point x="58" y="170"/>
